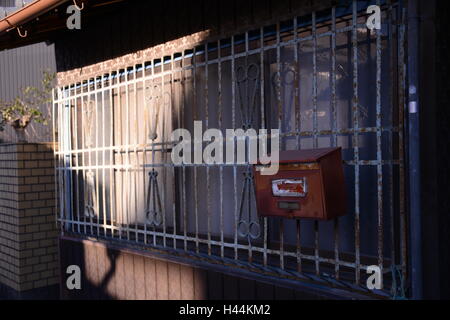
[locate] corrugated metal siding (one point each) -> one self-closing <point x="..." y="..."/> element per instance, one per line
<point x="7" y="3"/>
<point x="23" y="67"/>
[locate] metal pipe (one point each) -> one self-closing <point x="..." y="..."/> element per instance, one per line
<point x="27" y="13"/>
<point x="414" y="150"/>
<point x="356" y="157"/>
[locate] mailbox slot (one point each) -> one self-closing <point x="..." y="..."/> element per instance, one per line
<point x="289" y="205"/>
<point x="289" y="188"/>
<point x="309" y="184"/>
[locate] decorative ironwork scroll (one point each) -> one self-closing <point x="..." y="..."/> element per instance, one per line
<point x="90" y="198"/>
<point x="248" y="81"/>
<point x="248" y="228"/>
<point x="153" y="211"/>
<point x="284" y="83"/>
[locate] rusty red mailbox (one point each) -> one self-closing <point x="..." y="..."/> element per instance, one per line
<point x="309" y="184"/>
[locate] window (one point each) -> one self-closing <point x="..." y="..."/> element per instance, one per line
<point x="323" y="80"/>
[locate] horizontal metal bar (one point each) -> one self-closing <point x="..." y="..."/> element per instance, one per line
<point x="205" y="165"/>
<point x="120" y="148"/>
<point x="145" y="147"/>
<point x="230" y="245"/>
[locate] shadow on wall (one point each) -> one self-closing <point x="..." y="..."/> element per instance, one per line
<point x="108" y="273"/>
<point x="113" y="274"/>
<point x="125" y="28"/>
<point x="95" y="284"/>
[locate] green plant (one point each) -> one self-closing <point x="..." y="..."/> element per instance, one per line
<point x="25" y="107"/>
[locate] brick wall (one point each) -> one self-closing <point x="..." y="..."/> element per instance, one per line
<point x="28" y="234"/>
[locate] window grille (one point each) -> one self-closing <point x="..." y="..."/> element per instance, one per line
<point x="323" y="80"/>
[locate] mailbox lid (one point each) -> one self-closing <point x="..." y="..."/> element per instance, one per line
<point x="306" y="156"/>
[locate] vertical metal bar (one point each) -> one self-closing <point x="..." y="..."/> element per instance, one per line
<point x="120" y="157"/>
<point x="103" y="79"/>
<point x="64" y="124"/>
<point x="153" y="96"/>
<point x="297" y="129"/>
<point x="68" y="154"/>
<point x="154" y="105"/>
<point x="136" y="154"/>
<point x="393" y="87"/>
<point x="195" y="117"/>
<point x="379" y="148"/>
<point x="164" y="153"/>
<point x="280" y="126"/>
<point x="220" y="116"/>
<point x="144" y="151"/>
<point x="91" y="222"/>
<point x="315" y="130"/>
<point x="208" y="186"/>
<point x="233" y="117"/>
<point x="127" y="153"/>
<point x="355" y="106"/>
<point x="183" y="185"/>
<point x="97" y="198"/>
<point x="112" y="192"/>
<point x="63" y="172"/>
<point x="83" y="155"/>
<point x="263" y="126"/>
<point x="77" y="154"/>
<point x="68" y="158"/>
<point x="249" y="111"/>
<point x="172" y="112"/>
<point x="334" y="139"/>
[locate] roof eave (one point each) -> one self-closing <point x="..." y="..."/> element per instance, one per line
<point x="27" y="13"/>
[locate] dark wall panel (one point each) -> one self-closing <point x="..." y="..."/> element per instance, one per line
<point x="115" y="274"/>
<point x="230" y="287"/>
<point x="131" y="26"/>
